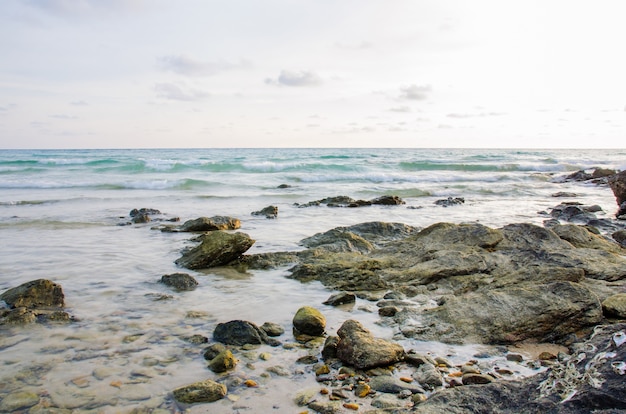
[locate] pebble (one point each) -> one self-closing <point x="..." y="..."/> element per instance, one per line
<point x="251" y="383"/>
<point x="351" y="406"/>
<point x="514" y="357"/>
<point x="265" y="356"/>
<point x="362" y="390"/>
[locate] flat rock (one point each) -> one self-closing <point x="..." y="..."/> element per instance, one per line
<point x="35" y="294"/>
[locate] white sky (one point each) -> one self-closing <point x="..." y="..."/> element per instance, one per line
<point x="312" y="73"/>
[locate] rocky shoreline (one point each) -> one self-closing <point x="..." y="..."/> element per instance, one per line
<point x="563" y="283"/>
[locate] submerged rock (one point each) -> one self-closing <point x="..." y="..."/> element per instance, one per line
<point x="345" y="201"/>
<point x="179" y="281"/>
<point x="200" y="392"/>
<point x="359" y="348"/>
<point x="216" y="248"/>
<point x="450" y="201"/>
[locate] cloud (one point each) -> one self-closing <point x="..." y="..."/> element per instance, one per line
<point x="403" y="108"/>
<point x="476" y="115"/>
<point x="79" y="103"/>
<point x="83" y="7"/>
<point x="63" y="116"/>
<point x="358" y="46"/>
<point x="295" y="78"/>
<point x="415" y="92"/>
<point x="174" y="92"/>
<point x="185" y="65"/>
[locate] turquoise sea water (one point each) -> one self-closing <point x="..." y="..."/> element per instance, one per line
<point x="60" y="216"/>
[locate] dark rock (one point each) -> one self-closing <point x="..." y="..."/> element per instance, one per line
<point x="180" y="281"/>
<point x="284" y="186"/>
<point x="450" y="201"/>
<point x="272" y="329"/>
<point x="269" y="212"/>
<point x="200" y="392"/>
<point x="196" y="339"/>
<point x="603" y="172"/>
<point x="618" y="186"/>
<point x="564" y="194"/>
<point x="579" y="176"/>
<point x="216" y="248"/>
<point x="309" y="321"/>
<point x="214" y="223"/>
<point x="620" y="237"/>
<point x="473" y="378"/>
<point x="143" y="211"/>
<point x="388" y="201"/>
<point x="329" y="351"/>
<point x="340" y="298"/>
<point x="240" y="333"/>
<point x="213" y="351"/>
<point x="35" y="294"/>
<point x="358" y="347"/>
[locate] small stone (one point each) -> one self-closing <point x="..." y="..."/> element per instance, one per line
<point x="470" y="369"/>
<point x="278" y="370"/>
<point x="340" y="299"/>
<point x="406" y="379"/>
<point x="362" y="390"/>
<point x="514" y="357"/>
<point x="199" y="392"/>
<point x="251" y="383"/>
<point x="351" y="406"/>
<point x="546" y="356"/>
<point x="223" y="362"/>
<point x="307" y="360"/>
<point x="272" y="329"/>
<point x="116" y="384"/>
<point x="324" y="369"/>
<point x="179" y="281"/>
<point x="265" y="356"/>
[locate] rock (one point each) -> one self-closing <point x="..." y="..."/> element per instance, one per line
<point x="573" y="213"/>
<point x="578" y="385"/>
<point x="179" y="281"/>
<point x="284" y="186"/>
<point x="329" y="351"/>
<point x="386" y="402"/>
<point x="615" y="306"/>
<point x="620" y="237"/>
<point x="579" y="176"/>
<point x="19" y="400"/>
<point x="200" y="392"/>
<point x="326" y="407"/>
<point x="564" y="194"/>
<point x="35" y="294"/>
<point x="358" y="347"/>
<point x="270" y="212"/>
<point x="583" y="237"/>
<point x="240" y="333"/>
<point x="429" y="376"/>
<point x="216" y="248"/>
<point x="473" y="378"/>
<point x="340" y="298"/>
<point x="338" y="240"/>
<point x="309" y="321"/>
<point x="388" y="201"/>
<point x="602" y="172"/>
<point x="213" y="351"/>
<point x="393" y="385"/>
<point x="450" y="201"/>
<point x="224" y="361"/>
<point x="272" y="329"/>
<point x="618" y="186"/>
<point x="142" y="215"/>
<point x="214" y="223"/>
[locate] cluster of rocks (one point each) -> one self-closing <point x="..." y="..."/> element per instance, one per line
<point x="38" y="300"/>
<point x="146" y="215"/>
<point x="345" y="201"/>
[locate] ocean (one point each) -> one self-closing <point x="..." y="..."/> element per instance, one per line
<point x="64" y="216"/>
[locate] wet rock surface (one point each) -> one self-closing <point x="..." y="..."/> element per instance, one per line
<point x="216" y="248"/>
<point x="39" y="300"/>
<point x="179" y="281"/>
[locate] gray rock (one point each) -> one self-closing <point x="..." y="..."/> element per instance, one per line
<point x="179" y="281"/>
<point x="359" y="348"/>
<point x="200" y="392"/>
<point x="216" y="248"/>
<point x="272" y="329"/>
<point x="450" y="201"/>
<point x="214" y="223"/>
<point x="392" y="385"/>
<point x="429" y="376"/>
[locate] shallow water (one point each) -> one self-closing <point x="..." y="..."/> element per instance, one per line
<point x="59" y="219"/>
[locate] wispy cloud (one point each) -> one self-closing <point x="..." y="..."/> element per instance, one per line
<point x="295" y="78"/>
<point x="175" y="92"/>
<point x="79" y="103"/>
<point x="83" y="7"/>
<point x="403" y="108"/>
<point x="415" y="92"/>
<point x="188" y="66"/>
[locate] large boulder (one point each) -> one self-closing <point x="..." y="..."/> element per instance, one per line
<point x="200" y="392"/>
<point x="35" y="294"/>
<point x="240" y="333"/>
<point x="309" y="321"/>
<point x="216" y="248"/>
<point x="359" y="348"/>
<point x="546" y="313"/>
